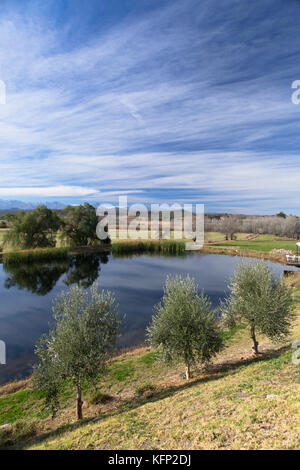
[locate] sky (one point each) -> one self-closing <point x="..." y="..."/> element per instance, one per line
<point x="161" y="100"/>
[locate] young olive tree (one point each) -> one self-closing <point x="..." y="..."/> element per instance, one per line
<point x="260" y="299"/>
<point x="78" y="346"/>
<point x="184" y="324"/>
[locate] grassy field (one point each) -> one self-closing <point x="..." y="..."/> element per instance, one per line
<point x="216" y="236"/>
<point x="240" y="402"/>
<point x="264" y="243"/>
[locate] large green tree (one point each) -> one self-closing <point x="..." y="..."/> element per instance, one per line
<point x="33" y="229"/>
<point x="259" y="299"/>
<point x="80" y="224"/>
<point x="79" y="345"/>
<point x="184" y="324"/>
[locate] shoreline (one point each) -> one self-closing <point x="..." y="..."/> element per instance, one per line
<point x="208" y="248"/>
<point x="117" y="355"/>
<point x="243" y="253"/>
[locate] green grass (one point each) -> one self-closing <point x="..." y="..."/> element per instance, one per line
<point x="149" y="359"/>
<point x="224" y="409"/>
<point x="22" y="257"/>
<point x="24" y="404"/>
<point x="153" y="407"/>
<point x="220" y="236"/>
<point x="122" y="371"/>
<point x="136" y="247"/>
<point x="263" y="243"/>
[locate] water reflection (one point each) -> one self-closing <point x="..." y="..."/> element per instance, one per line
<point x="36" y="278"/>
<point x="85" y="269"/>
<point x="41" y="278"/>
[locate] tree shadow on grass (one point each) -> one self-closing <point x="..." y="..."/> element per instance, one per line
<point x="212" y="373"/>
<point x="232" y="365"/>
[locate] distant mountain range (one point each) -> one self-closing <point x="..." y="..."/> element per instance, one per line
<point x="15" y="205"/>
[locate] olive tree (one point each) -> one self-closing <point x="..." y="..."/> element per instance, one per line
<point x="184" y="324"/>
<point x="261" y="300"/>
<point x="77" y="347"/>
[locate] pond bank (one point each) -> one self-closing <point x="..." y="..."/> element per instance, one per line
<point x="214" y="250"/>
<point x="207" y="249"/>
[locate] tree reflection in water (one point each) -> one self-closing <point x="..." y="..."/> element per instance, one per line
<point x="41" y="278"/>
<point x="85" y="269"/>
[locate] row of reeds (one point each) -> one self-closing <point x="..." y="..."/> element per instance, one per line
<point x="22" y="257"/>
<point x="167" y="247"/>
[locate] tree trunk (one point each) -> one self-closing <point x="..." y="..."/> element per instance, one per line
<point x="187" y="371"/>
<point x="255" y="343"/>
<point x="79" y="403"/>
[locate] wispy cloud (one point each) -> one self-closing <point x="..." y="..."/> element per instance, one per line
<point x="50" y="191"/>
<point x="184" y="96"/>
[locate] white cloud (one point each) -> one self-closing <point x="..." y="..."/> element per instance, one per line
<point x="156" y="102"/>
<point x="50" y="191"/>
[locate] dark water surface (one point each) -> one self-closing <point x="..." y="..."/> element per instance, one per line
<point x="27" y="292"/>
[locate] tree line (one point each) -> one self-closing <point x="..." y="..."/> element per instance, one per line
<point x="43" y="227"/>
<point x="280" y="225"/>
<point x="76" y="225"/>
<point x="185" y="327"/>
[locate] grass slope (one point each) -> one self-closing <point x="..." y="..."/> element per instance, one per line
<point x="240" y="402"/>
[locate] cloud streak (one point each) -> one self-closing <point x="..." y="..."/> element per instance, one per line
<point x="184" y="97"/>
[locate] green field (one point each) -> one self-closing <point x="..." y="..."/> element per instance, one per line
<point x="220" y="236"/>
<point x="264" y="243"/>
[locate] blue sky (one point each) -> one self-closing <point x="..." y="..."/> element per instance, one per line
<point x="169" y="100"/>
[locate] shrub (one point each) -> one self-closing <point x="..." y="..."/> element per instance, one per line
<point x="261" y="300"/>
<point x="78" y="347"/>
<point x="184" y="324"/>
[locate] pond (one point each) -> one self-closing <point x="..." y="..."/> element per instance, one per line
<point x="27" y="292"/>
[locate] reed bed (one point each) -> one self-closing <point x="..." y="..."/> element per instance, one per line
<point x="26" y="257"/>
<point x="136" y="247"/>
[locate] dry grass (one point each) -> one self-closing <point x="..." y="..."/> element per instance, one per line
<point x="13" y="387"/>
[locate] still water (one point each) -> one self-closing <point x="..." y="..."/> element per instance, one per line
<point x="27" y="293"/>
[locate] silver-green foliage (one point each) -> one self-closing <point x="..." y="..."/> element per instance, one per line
<point x="259" y="298"/>
<point x="78" y="346"/>
<point x="184" y="324"/>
